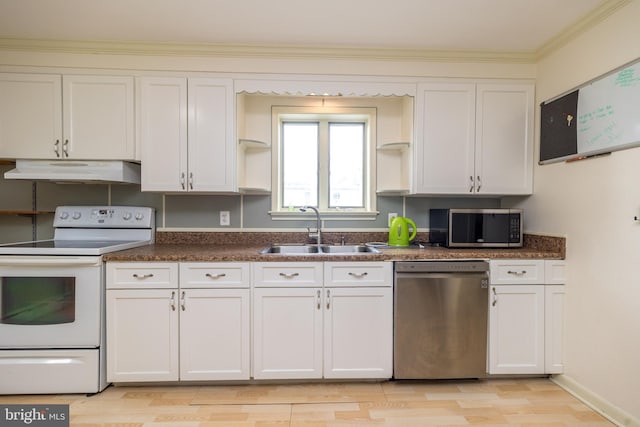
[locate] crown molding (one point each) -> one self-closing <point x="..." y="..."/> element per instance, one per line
<point x="595" y="17"/>
<point x="261" y="51"/>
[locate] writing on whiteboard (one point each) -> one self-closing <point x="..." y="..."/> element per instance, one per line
<point x="609" y="112"/>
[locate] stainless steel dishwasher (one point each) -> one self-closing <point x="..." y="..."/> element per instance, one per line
<point x="440" y="319"/>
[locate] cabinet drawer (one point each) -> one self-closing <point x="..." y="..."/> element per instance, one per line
<point x="132" y="275"/>
<point x="214" y="275"/>
<point x="514" y="272"/>
<point x="287" y="274"/>
<point x="349" y="274"/>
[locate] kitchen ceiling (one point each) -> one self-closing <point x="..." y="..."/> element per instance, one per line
<point x="509" y="26"/>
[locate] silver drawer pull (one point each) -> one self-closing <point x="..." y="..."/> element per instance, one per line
<point x="517" y="273"/>
<point x="142" y="276"/>
<point x="358" y="275"/>
<point x="173" y="301"/>
<point x="182" y="302"/>
<point x="215" y="276"/>
<point x="289" y="275"/>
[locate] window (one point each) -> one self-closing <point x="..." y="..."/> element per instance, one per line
<point x="324" y="159"/>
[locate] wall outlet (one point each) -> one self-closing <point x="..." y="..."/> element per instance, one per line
<point x="392" y="215"/>
<point x="225" y="218"/>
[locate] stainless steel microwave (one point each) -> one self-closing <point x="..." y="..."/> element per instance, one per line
<point x="471" y="228"/>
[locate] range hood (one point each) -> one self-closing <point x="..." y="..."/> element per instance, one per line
<point x="77" y="171"/>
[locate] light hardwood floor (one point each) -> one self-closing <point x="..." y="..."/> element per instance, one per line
<point x="495" y="402"/>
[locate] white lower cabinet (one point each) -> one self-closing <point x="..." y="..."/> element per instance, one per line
<point x="516" y="329"/>
<point x="358" y="333"/>
<point x="287" y="333"/>
<point x="525" y="319"/>
<point x="193" y="328"/>
<point x="323" y="320"/>
<point x="214" y="334"/>
<point x="142" y="335"/>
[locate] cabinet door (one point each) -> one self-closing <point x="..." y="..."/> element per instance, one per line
<point x="212" y="148"/>
<point x="214" y="334"/>
<point x="554" y="328"/>
<point x="163" y="130"/>
<point x="516" y="329"/>
<point x="358" y="332"/>
<point x="98" y="117"/>
<point x="444" y="146"/>
<point x="287" y="333"/>
<point x="142" y="335"/>
<point x="504" y="139"/>
<point x="30" y="116"/>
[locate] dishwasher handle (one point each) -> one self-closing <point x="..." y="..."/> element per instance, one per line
<point x="484" y="276"/>
<point x="441" y="267"/>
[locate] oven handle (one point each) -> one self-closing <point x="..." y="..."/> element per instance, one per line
<point x="50" y="261"/>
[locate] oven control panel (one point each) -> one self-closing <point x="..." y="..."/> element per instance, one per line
<point x="104" y="217"/>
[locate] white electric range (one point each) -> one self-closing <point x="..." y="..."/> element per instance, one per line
<point x="52" y="295"/>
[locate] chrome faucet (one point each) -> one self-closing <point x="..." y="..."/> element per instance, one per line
<point x="314" y="234"/>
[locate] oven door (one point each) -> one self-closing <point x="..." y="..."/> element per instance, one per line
<point x="50" y="301"/>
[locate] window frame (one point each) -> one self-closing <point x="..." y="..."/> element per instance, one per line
<point x="368" y="115"/>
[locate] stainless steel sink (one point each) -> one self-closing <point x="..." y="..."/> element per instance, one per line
<point x="304" y="249"/>
<point x="348" y="249"/>
<point x="290" y="249"/>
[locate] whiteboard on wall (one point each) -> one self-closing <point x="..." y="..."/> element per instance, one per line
<point x="605" y="118"/>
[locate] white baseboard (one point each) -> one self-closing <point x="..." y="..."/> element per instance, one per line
<point x="596" y="402"/>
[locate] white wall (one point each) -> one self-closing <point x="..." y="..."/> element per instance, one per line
<point x="593" y="203"/>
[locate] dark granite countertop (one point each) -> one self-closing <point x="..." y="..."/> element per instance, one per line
<point x="216" y="247"/>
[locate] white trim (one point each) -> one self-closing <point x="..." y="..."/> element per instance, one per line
<point x="596" y="402"/>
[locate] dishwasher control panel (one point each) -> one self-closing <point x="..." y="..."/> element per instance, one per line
<point x="441" y="266"/>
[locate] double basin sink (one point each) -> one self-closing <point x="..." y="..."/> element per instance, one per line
<point x="305" y="249"/>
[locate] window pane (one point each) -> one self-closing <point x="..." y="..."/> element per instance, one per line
<point x="299" y="164"/>
<point x="346" y="165"/>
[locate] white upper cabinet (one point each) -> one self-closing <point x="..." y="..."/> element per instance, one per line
<point x="445" y="143"/>
<point x="48" y="116"/>
<point x="30" y="115"/>
<point x="98" y="117"/>
<point x="187" y="134"/>
<point x="504" y="138"/>
<point x="474" y="138"/>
